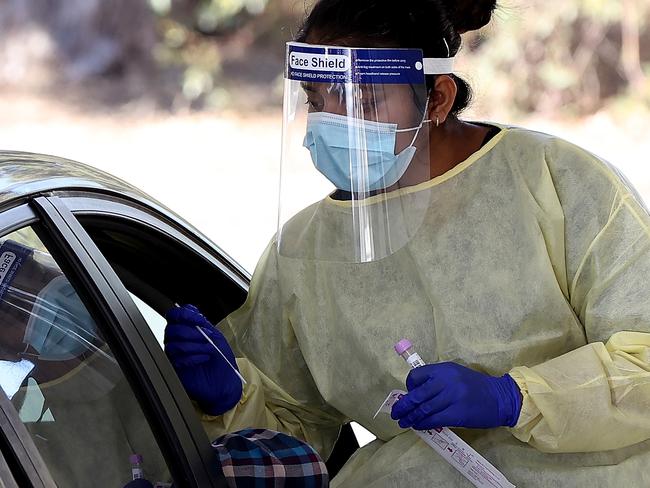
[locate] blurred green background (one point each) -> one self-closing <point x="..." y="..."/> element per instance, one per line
<point x="575" y="57"/>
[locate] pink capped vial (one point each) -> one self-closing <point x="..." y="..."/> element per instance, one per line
<point x="136" y="466"/>
<point x="405" y="349"/>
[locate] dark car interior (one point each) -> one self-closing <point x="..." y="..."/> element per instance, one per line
<point x="163" y="272"/>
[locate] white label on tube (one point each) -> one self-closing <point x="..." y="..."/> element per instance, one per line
<point x="415" y="361"/>
<point x="456" y="452"/>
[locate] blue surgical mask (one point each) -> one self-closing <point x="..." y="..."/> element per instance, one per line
<point x="59" y="326"/>
<point x="357" y="155"/>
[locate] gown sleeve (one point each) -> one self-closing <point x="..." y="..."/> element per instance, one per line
<point x="280" y="393"/>
<point x="597" y="397"/>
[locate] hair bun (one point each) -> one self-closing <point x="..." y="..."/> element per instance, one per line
<point x="469" y="15"/>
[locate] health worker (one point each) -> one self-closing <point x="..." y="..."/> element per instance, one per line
<point x="517" y="263"/>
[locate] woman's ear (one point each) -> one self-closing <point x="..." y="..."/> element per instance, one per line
<point x="442" y="98"/>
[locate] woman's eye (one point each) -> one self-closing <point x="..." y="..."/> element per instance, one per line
<point x="370" y="102"/>
<point x="314" y="105"/>
<point x="369" y="107"/>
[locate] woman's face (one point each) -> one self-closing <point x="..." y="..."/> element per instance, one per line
<point x="390" y="103"/>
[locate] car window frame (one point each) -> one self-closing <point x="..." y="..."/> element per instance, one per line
<point x="20" y="459"/>
<point x="181" y="439"/>
<point x="6" y="475"/>
<point x="97" y="204"/>
<point x="18" y="444"/>
<point x="135" y="218"/>
<point x="89" y="203"/>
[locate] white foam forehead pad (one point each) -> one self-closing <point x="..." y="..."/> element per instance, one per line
<point x="438" y="66"/>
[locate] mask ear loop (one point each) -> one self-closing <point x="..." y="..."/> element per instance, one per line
<point x="417" y="129"/>
<point x="424" y="121"/>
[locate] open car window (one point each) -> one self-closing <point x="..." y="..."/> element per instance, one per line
<point x="160" y="271"/>
<point x="61" y="377"/>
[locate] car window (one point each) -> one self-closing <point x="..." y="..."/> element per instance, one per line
<point x="160" y="271"/>
<point x="62" y="378"/>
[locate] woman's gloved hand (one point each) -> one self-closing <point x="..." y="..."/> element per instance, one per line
<point x="204" y="373"/>
<point x="451" y="395"/>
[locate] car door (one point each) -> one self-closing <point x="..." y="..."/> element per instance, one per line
<point x="162" y="261"/>
<point x="72" y="415"/>
<point x="159" y="259"/>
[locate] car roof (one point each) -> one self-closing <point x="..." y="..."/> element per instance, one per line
<point x="23" y="174"/>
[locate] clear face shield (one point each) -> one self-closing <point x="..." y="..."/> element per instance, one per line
<point x="355" y="147"/>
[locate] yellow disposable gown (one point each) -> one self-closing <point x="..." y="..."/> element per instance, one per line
<point x="533" y="259"/>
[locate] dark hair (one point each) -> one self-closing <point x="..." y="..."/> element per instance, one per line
<point x="422" y="24"/>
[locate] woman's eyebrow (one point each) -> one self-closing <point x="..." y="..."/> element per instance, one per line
<point x="308" y="87"/>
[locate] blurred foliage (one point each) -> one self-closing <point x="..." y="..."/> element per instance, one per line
<point x="198" y="36"/>
<point x="574" y="57"/>
<point x="197" y="58"/>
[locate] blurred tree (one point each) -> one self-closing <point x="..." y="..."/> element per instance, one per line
<point x="631" y="43"/>
<point x="575" y="56"/>
<point x="214" y="43"/>
<point x="90" y="38"/>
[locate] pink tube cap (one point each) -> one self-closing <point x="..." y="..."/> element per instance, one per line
<point x="135" y="459"/>
<point x="402" y="346"/>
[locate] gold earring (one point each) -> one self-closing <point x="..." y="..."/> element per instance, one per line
<point x="437" y="121"/>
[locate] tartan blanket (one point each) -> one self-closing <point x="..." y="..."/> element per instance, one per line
<point x="261" y="458"/>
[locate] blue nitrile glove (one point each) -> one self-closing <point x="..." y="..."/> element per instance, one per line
<point x="202" y="370"/>
<point x="451" y="395"/>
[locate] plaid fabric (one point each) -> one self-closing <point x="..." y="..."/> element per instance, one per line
<point x="260" y="458"/>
